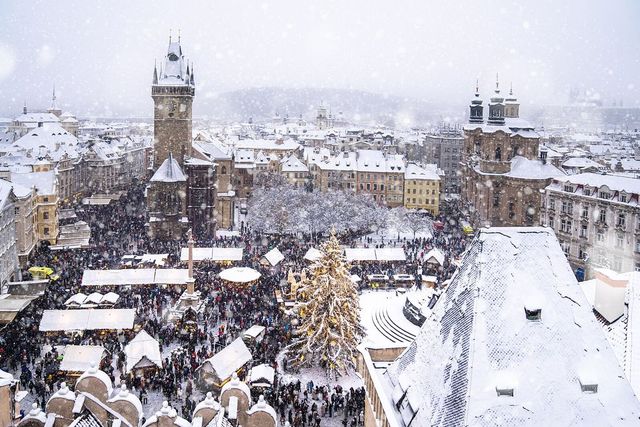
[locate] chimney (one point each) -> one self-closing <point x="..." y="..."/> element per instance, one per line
<point x="610" y="291"/>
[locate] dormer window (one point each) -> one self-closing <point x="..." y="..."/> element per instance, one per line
<point x="588" y="384"/>
<point x="623" y="198"/>
<point x="504" y="391"/>
<point x="533" y="313"/>
<point x="568" y="188"/>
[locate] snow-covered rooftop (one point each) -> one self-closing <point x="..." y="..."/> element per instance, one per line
<point x="416" y="172"/>
<point x="480" y="345"/>
<point x="230" y="359"/>
<point x="613" y="182"/>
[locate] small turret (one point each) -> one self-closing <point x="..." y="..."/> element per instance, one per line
<point x="512" y="106"/>
<point x="155" y="74"/>
<point x="476" y="108"/>
<point x="496" y="107"/>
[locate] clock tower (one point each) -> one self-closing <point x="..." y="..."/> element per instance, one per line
<point x="172" y="91"/>
<point x="168" y="193"/>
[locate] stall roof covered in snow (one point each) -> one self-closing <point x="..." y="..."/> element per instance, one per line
<point x="230" y="359"/>
<point x="86" y="320"/>
<point x="313" y="254"/>
<point x="513" y="320"/>
<point x="274" y="256"/>
<point x="135" y="276"/>
<point x="436" y="255"/>
<point x="142" y="351"/>
<point x="373" y="254"/>
<point x="212" y="254"/>
<point x="261" y="373"/>
<point x="79" y="358"/>
<point x="240" y="274"/>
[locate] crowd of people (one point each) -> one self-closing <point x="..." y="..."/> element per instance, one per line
<point x="118" y="229"/>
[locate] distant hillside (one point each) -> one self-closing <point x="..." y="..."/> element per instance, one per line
<point x="262" y="104"/>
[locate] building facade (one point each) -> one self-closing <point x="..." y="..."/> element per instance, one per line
<point x="597" y="220"/>
<point x="422" y="188"/>
<point x="444" y="148"/>
<point x="8" y="249"/>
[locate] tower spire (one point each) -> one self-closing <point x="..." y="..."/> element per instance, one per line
<point x="155" y="72"/>
<point x="178" y="35"/>
<point x="497" y="84"/>
<point x="510" y="88"/>
<point x="53" y="98"/>
<point x="477" y="88"/>
<point x="24" y="109"/>
<point x="169" y="35"/>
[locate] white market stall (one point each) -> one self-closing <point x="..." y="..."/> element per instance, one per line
<point x="87" y="320"/>
<point x="79" y="358"/>
<point x="313" y="254"/>
<point x="390" y="254"/>
<point x="135" y="276"/>
<point x="241" y="275"/>
<point x="262" y="376"/>
<point x="274" y="257"/>
<point x="142" y="353"/>
<point x="360" y="254"/>
<point x="81" y="300"/>
<point x="212" y="254"/>
<point x="217" y="370"/>
<point x="373" y="254"/>
<point x="434" y="258"/>
<point x="254" y="334"/>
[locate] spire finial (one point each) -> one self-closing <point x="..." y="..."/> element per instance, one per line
<point x="53" y="97"/>
<point x="497" y="84"/>
<point x="169" y="35"/>
<point x="24" y="109"/>
<point x="510" y="88"/>
<point x="178" y="35"/>
<point x="477" y="87"/>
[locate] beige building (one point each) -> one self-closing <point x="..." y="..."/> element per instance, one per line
<point x="25" y="208"/>
<point x="504" y="171"/>
<point x="597" y="220"/>
<point x="294" y="171"/>
<point x="422" y="188"/>
<point x="46" y="202"/>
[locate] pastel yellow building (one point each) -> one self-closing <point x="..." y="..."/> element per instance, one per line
<point x="422" y="188"/>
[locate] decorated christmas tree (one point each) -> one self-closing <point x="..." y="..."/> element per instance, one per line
<point x="329" y="327"/>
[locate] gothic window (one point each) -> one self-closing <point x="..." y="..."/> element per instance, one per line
<point x="223" y="170"/>
<point x="496" y="200"/>
<point x="498" y="154"/>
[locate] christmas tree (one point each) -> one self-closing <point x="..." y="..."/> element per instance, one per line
<point x="329" y="315"/>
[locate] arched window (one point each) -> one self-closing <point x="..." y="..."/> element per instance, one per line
<point x="223" y="171"/>
<point x="498" y="154"/>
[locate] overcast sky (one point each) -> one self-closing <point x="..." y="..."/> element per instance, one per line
<point x="100" y="54"/>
